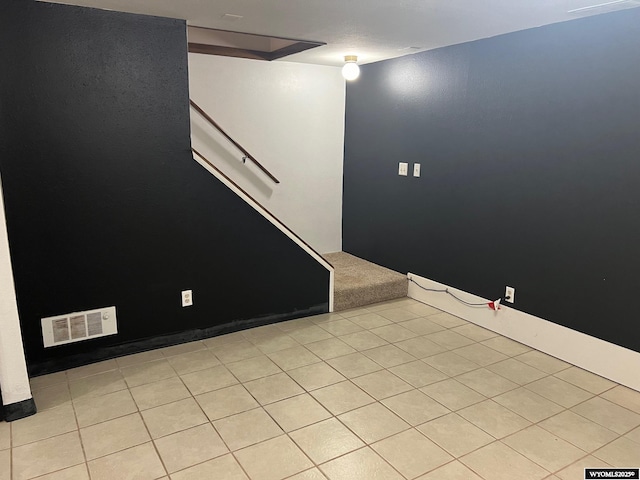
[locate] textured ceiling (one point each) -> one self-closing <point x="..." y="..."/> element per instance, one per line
<point x="372" y="29"/>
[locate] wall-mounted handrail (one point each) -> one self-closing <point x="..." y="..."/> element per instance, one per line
<point x="213" y="123"/>
<point x="259" y="205"/>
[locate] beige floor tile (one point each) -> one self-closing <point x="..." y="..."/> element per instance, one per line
<point x="422" y="309"/>
<point x="112" y="436"/>
<point x="273" y="388"/>
<point x="137" y="358"/>
<point x="451" y="364"/>
<point x="634" y="435"/>
<point x="486" y="382"/>
<point x="621" y="453"/>
<point x="43" y="425"/>
<point x="452" y="394"/>
<point x="359" y="465"/>
<point x="79" y="472"/>
<point x="382" y="384"/>
<point x="49" y="380"/>
<point x="373" y="422"/>
<point x="625" y="397"/>
<point x="253" y="368"/>
<point x="276" y="344"/>
<point x="447" y="320"/>
<point x="173" y="417"/>
<point x="274" y="459"/>
<point x="5" y="465"/>
<point x="159" y="393"/>
<point x="149" y="372"/>
<point x="263" y="332"/>
<point x="394" y="333"/>
<point x="576" y="470"/>
<point x="326" y="440"/>
<point x="342" y="397"/>
<point x="92" y="410"/>
<point x="481" y="354"/>
<point x="414" y="407"/>
<point x="507" y="346"/>
<point x="226" y="401"/>
<point x="138" y="463"/>
<point x="237" y="351"/>
<point x="608" y="414"/>
<point x="317" y="375"/>
<point x="455" y="434"/>
<point x="543" y="362"/>
<point x="92" y="369"/>
<point x="578" y="430"/>
<point x="52" y="397"/>
<point x="183" y="348"/>
<point x="389" y="356"/>
<point x="313" y="474"/>
<point x="297" y="324"/>
<point x="354" y="365"/>
<point x="222" y="468"/>
<point x="330" y="348"/>
<point x="422" y="326"/>
<point x="474" y="332"/>
<point x="5" y="435"/>
<point x="544" y="448"/>
<point x="46" y="456"/>
<point x="370" y="320"/>
<point x="494" y="419"/>
<point x="310" y="334"/>
<point x="451" y="471"/>
<point x="398" y="314"/>
<point x="340" y="327"/>
<point x="293" y="358"/>
<point x="208" y="380"/>
<point x="418" y="373"/>
<point x="420" y="347"/>
<point x="585" y="380"/>
<point x="100" y="384"/>
<point x="223" y="340"/>
<point x="189" y="447"/>
<point x="528" y="404"/>
<point x="496" y="461"/>
<point x="325" y="318"/>
<point x="297" y="412"/>
<point x="411" y="453"/>
<point x="247" y="428"/>
<point x="363" y="340"/>
<point x="516" y="371"/>
<point x="559" y="391"/>
<point x="193" y="361"/>
<point x="449" y="339"/>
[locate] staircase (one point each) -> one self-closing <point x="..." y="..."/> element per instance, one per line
<point x="358" y="282"/>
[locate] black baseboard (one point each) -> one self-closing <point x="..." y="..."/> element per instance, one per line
<point x="106" y="353"/>
<point x="18" y="410"/>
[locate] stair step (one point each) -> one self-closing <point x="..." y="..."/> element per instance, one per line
<point x="358" y="282"/>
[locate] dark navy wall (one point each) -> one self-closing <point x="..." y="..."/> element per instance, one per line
<point x="530" y="151"/>
<point x="104" y="203"/>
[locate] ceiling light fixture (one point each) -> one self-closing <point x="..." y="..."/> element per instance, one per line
<point x="351" y="70"/>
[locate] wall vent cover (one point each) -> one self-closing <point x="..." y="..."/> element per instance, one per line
<point x="79" y="326"/>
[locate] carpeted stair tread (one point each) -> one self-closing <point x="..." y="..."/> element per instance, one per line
<point x="359" y="282"/>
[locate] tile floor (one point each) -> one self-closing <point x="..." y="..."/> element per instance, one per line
<point x="397" y="390"/>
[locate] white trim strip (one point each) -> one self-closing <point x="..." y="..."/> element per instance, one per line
<point x="598" y="356"/>
<point x="274" y="221"/>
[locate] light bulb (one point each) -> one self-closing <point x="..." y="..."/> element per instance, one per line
<point x="351" y="70"/>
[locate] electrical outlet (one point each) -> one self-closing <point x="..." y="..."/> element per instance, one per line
<point x="509" y="294"/>
<point x="403" y="169"/>
<point x="187" y="298"/>
<point x="416" y="169"/>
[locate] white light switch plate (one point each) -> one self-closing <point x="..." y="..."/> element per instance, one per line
<point x="403" y="169"/>
<point x="416" y="169"/>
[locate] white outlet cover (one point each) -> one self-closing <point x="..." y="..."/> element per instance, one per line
<point x="187" y="298"/>
<point x="403" y="169"/>
<point x="510" y="294"/>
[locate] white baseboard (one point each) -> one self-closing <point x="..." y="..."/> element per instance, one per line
<point x="606" y="359"/>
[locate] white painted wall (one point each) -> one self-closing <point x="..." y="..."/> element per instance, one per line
<point x="13" y="369"/>
<point x="290" y="117"/>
